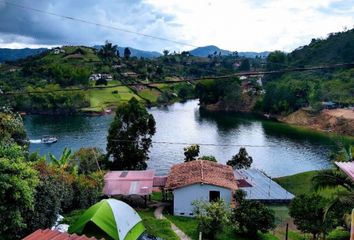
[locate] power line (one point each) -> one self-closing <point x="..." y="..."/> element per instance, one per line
<point x="96" y="24"/>
<point x="200" y="144"/>
<point x="249" y="73"/>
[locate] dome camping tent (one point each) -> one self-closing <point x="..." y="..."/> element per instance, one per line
<point x="110" y="218"/>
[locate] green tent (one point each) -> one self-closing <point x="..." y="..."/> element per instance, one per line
<point x="112" y="218"/>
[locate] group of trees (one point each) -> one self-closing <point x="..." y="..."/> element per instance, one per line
<point x="49" y="100"/>
<point x="33" y="190"/>
<point x="248" y="218"/>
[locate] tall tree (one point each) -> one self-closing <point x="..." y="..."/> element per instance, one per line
<point x="108" y="52"/>
<point x="129" y="136"/>
<point x="127" y="53"/>
<point x="241" y="160"/>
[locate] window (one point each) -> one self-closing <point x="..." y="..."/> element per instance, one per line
<point x="214" y="196"/>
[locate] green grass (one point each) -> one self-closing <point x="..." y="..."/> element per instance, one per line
<point x="102" y="98"/>
<point x="189" y="226"/>
<point x="302" y="184"/>
<point x="159" y="228"/>
<point x="150" y="94"/>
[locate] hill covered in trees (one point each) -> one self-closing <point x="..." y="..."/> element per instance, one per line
<point x="286" y="93"/>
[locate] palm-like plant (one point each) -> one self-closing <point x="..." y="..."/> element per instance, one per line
<point x="108" y="52"/>
<point x="63" y="161"/>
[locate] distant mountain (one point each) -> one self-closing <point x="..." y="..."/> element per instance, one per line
<point x="205" y="51"/>
<point x="7" y="54"/>
<point x="136" y="52"/>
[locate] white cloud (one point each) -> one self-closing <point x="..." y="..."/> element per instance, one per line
<point x="242" y="25"/>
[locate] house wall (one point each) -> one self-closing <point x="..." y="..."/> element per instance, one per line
<point x="184" y="197"/>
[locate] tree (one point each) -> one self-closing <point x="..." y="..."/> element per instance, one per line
<point x="12" y="129"/>
<point x="127" y="53"/>
<point x="249" y="217"/>
<point x="166" y="52"/>
<point x="245" y="65"/>
<point x="308" y="212"/>
<point x="191" y="152"/>
<point x="241" y="160"/>
<point x="129" y="136"/>
<point x="17" y="190"/>
<point x="208" y="158"/>
<point x="108" y="52"/>
<point x="87" y="160"/>
<point x="211" y="216"/>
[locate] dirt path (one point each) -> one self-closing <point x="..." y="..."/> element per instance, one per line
<point x="340" y="112"/>
<point x="158" y="214"/>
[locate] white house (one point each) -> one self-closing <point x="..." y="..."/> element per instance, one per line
<point x="199" y="180"/>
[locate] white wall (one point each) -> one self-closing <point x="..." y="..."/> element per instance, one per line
<point x="183" y="197"/>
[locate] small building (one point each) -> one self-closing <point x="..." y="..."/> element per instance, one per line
<point x="58" y="51"/>
<point x="129" y="183"/>
<point x="130" y="74"/>
<point x="199" y="180"/>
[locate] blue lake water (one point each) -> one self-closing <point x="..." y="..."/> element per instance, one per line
<point x="276" y="148"/>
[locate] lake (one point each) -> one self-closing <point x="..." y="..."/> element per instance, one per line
<point x="277" y="149"/>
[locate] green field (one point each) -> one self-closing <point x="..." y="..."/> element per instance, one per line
<point x="302" y="184"/>
<point x="107" y="97"/>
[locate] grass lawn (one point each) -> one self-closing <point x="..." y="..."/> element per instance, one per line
<point x="301" y="184"/>
<point x="159" y="228"/>
<point x="150" y="94"/>
<point x="189" y="227"/>
<point x="101" y="98"/>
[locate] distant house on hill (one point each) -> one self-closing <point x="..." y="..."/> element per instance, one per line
<point x="130" y="74"/>
<point x="98" y="76"/>
<point x="58" y="50"/>
<point x="199" y="180"/>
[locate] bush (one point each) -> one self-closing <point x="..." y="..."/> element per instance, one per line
<point x="338" y="234"/>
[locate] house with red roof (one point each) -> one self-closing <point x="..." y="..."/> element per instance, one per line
<point x="199" y="180"/>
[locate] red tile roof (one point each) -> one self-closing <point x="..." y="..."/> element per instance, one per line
<point x="48" y="234"/>
<point x="201" y="171"/>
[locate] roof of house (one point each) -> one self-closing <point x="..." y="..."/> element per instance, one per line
<point x="128" y="182"/>
<point x="201" y="171"/>
<point x="48" y="234"/>
<point x="347" y="168"/>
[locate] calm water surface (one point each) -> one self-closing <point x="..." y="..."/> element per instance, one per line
<point x="280" y="149"/>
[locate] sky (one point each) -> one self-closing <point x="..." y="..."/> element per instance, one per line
<point x="236" y="25"/>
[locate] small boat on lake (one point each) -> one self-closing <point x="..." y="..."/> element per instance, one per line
<point x="49" y="139"/>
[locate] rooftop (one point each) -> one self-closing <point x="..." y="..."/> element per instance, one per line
<point x="129" y="182"/>
<point x="48" y="234"/>
<point x="347" y="168"/>
<point x="201" y="171"/>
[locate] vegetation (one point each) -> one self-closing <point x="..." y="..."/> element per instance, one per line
<point x="212" y="217"/>
<point x="191" y="152"/>
<point x="308" y="212"/>
<point x="241" y="160"/>
<point x="129" y="137"/>
<point x="249" y="217"/>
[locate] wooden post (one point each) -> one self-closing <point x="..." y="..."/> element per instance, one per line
<point x="145" y="201"/>
<point x="287" y="231"/>
<point x="200" y="236"/>
<point x="352" y="227"/>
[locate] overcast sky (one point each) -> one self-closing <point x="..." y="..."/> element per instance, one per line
<point x="241" y="25"/>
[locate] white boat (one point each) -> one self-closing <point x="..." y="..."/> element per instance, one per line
<point x="49" y="139"/>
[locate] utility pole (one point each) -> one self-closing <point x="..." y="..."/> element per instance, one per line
<point x="287" y="231"/>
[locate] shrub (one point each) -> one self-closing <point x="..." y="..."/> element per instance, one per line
<point x="338" y="234"/>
